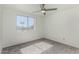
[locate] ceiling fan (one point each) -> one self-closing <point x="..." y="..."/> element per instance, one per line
<point x="44" y="10"/>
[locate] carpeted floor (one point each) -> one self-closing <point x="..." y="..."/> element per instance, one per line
<point x="41" y="46"/>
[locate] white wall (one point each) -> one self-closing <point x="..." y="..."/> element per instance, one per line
<point x="63" y="27"/>
<point x="0" y="28"/>
<point x="11" y="36"/>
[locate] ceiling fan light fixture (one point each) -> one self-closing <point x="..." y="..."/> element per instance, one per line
<point x="43" y="11"/>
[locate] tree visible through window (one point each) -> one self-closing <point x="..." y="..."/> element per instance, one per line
<point x="25" y="22"/>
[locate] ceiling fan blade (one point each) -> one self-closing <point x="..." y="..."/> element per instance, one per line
<point x="51" y="9"/>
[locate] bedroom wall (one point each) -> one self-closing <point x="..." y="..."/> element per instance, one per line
<point x="11" y="36"/>
<point x="63" y="27"/>
<point x="0" y="28"/>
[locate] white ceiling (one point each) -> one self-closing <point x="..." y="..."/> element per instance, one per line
<point x="23" y="7"/>
<point x="34" y="7"/>
<point x="62" y="6"/>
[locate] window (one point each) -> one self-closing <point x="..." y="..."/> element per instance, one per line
<point x="25" y="22"/>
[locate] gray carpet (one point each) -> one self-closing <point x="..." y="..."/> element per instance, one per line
<point x="57" y="48"/>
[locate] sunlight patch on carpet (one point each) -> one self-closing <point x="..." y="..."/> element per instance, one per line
<point x="37" y="48"/>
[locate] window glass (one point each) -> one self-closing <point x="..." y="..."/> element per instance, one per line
<point x="30" y="21"/>
<point x="24" y="22"/>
